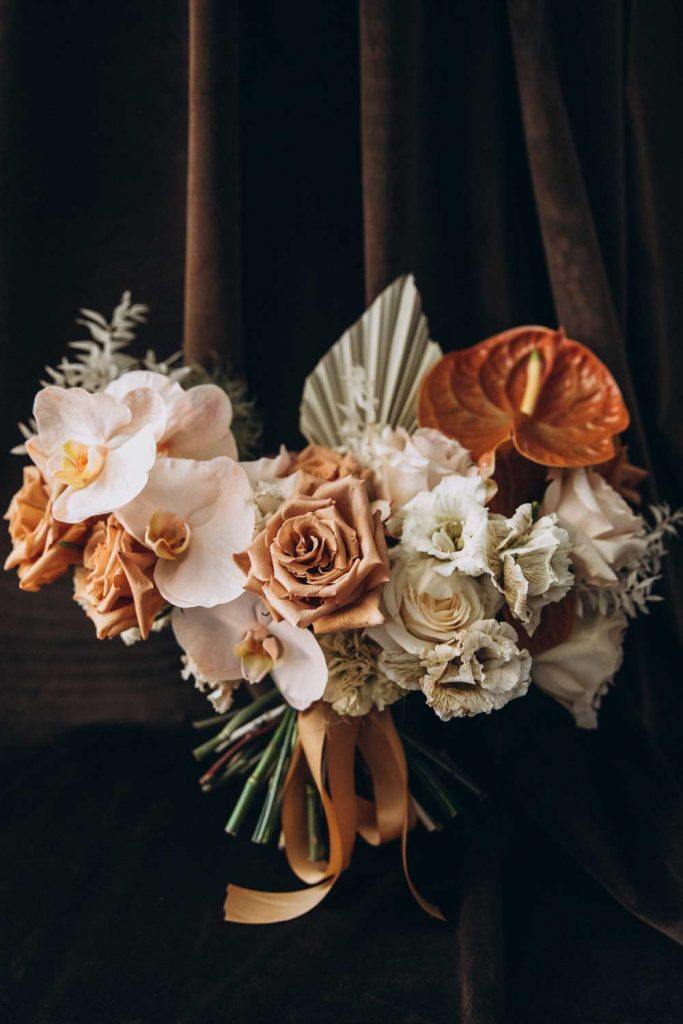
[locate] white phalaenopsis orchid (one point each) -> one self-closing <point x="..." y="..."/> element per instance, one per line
<point x="240" y="640"/>
<point x="450" y="525"/>
<point x="99" y="446"/>
<point x="197" y="419"/>
<point x="195" y="516"/>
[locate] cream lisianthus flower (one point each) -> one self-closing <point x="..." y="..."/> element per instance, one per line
<point x="195" y="516"/>
<point x="240" y="640"/>
<point x="578" y="671"/>
<point x="197" y="419"/>
<point x="356" y="682"/>
<point x="450" y="524"/>
<point x="529" y="562"/>
<point x="99" y="447"/>
<point x="606" y="535"/>
<point x="481" y="672"/>
<point x="422" y="607"/>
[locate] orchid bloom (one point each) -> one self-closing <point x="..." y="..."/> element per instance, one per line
<point x="100" y="446"/>
<point x="240" y="640"/>
<point x="197" y="419"/>
<point x="195" y="516"/>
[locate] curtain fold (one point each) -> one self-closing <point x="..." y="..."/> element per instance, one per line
<point x="212" y="294"/>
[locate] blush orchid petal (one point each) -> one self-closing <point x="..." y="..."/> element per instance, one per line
<point x="301" y="670"/>
<point x="198" y="419"/>
<point x="209" y="636"/>
<point x="125" y="472"/>
<point x="100" y="446"/>
<point x="213" y="500"/>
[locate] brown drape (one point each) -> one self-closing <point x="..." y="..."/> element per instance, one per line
<point x="257" y="172"/>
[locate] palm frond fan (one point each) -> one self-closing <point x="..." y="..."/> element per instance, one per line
<point x="385" y="355"/>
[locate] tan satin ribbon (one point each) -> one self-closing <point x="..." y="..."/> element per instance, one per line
<point x="324" y="736"/>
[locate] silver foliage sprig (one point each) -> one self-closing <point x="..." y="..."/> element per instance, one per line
<point x="102" y="358"/>
<point x="634" y="590"/>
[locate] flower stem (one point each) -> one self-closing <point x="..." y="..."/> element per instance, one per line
<point x="443" y="762"/>
<point x="431" y="784"/>
<point x="257" y="777"/>
<point x="270" y="812"/>
<point x="207" y="723"/>
<point x="240" y="718"/>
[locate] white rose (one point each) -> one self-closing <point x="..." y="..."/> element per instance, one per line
<point x="529" y="562"/>
<point x="578" y="671"/>
<point x="480" y="672"/>
<point x="450" y="523"/>
<point x="405" y="464"/>
<point x="606" y="535"/>
<point x="422" y="607"/>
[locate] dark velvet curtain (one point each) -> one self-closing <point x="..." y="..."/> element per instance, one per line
<point x="257" y="172"/>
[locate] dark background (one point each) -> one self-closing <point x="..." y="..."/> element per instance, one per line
<point x="257" y="173"/>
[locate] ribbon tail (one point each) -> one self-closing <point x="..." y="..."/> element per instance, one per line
<point x="252" y="906"/>
<point x="391" y="814"/>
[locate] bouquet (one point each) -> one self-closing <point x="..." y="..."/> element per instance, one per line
<point x="457" y="527"/>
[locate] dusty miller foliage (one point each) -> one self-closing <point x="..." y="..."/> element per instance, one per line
<point x="634" y="590"/>
<point x="104" y="356"/>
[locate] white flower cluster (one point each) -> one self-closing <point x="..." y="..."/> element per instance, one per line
<point x="455" y="569"/>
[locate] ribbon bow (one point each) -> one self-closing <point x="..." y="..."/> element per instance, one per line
<point x="388" y="816"/>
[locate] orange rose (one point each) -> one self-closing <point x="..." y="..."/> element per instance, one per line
<point x="114" y="586"/>
<point x="321" y="559"/>
<point x="42" y="547"/>
<point x="326" y="464"/>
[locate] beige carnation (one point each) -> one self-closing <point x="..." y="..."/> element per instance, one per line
<point x="481" y="672"/>
<point x="42" y="547"/>
<point x="355" y="681"/>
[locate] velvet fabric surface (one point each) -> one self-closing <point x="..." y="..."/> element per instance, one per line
<point x="257" y="172"/>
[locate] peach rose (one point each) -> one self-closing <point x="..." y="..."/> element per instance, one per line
<point x="326" y="464"/>
<point x="42" y="547"/>
<point x="321" y="559"/>
<point x="114" y="586"/>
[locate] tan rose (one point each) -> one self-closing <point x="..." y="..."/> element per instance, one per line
<point x="42" y="547"/>
<point x="114" y="586"/>
<point x="326" y="464"/>
<point x="321" y="559"/>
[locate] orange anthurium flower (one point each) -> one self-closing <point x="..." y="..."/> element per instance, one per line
<point x="552" y="397"/>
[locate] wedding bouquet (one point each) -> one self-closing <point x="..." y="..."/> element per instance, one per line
<point x="456" y="528"/>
